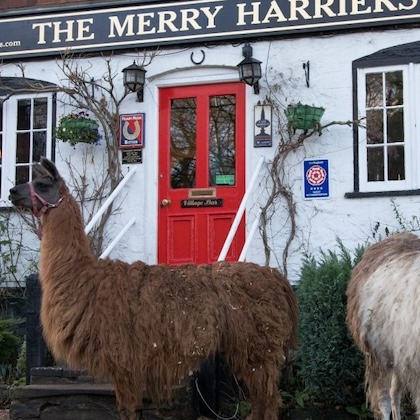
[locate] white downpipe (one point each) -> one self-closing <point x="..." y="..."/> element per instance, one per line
<point x="250" y="236"/>
<point x="240" y="212"/>
<point x="111" y="246"/>
<point x="108" y="201"/>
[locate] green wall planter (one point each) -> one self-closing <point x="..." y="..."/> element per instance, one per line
<point x="304" y="117"/>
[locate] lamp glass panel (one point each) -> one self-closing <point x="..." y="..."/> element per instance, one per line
<point x="134" y="79"/>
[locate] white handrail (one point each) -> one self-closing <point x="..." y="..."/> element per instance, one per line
<point x="111" y="246"/>
<point x="108" y="201"/>
<point x="239" y="213"/>
<point x="250" y="236"/>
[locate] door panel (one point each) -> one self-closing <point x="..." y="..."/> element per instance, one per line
<point x="181" y="227"/>
<point x="219" y="226"/>
<point x="201" y="171"/>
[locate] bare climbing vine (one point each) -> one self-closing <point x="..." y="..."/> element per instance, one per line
<point x="102" y="98"/>
<point x="278" y="185"/>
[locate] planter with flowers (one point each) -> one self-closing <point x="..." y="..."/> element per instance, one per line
<point x="78" y="128"/>
<point x="304" y="117"/>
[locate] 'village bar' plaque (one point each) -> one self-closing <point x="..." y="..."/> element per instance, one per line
<point x="202" y="202"/>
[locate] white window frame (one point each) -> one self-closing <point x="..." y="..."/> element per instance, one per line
<point x="411" y="105"/>
<point x="9" y="143"/>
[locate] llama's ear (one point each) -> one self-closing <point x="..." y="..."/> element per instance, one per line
<point x="49" y="167"/>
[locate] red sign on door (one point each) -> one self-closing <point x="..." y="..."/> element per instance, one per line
<point x="131" y="131"/>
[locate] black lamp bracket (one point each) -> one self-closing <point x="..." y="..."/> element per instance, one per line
<point x="247" y="50"/>
<point x="306" y="70"/>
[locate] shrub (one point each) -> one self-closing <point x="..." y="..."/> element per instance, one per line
<point x="20" y="378"/>
<point x="9" y="346"/>
<point x="328" y="363"/>
<point x="9" y="342"/>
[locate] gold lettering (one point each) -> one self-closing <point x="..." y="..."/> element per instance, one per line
<point x="144" y="20"/>
<point x="166" y="19"/>
<point x="82" y="28"/>
<point x="342" y="11"/>
<point x="274" y="12"/>
<point x="211" y="16"/>
<point x="68" y="31"/>
<point x="115" y="25"/>
<point x="320" y="8"/>
<point x="408" y="7"/>
<point x="388" y="5"/>
<point x="295" y="9"/>
<point x="355" y="10"/>
<point x="188" y="17"/>
<point x="41" y="31"/>
<point x="255" y="13"/>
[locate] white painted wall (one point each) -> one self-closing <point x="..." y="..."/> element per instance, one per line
<point x="319" y="221"/>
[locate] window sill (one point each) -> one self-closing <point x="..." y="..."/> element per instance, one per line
<point x="358" y="194"/>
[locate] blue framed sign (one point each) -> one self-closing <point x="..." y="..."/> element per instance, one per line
<point x="316" y="179"/>
<point x="131" y="131"/>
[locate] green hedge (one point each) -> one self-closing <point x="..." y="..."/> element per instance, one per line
<point x="9" y="342"/>
<point x="328" y="364"/>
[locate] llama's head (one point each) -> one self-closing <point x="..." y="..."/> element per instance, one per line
<point x="45" y="190"/>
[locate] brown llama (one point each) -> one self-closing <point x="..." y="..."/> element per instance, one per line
<point x="145" y="327"/>
<point x="383" y="315"/>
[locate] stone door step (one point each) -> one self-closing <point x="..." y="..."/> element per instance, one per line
<point x="85" y="401"/>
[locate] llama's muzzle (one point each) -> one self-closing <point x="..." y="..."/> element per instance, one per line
<point x="45" y="204"/>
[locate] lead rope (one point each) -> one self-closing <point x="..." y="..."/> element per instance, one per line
<point x="45" y="206"/>
<point x="208" y="406"/>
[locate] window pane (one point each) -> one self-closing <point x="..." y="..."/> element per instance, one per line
<point x="22" y="174"/>
<point x="374" y="97"/>
<point x="183" y="143"/>
<point x="395" y="125"/>
<point x="23" y="148"/>
<point x="222" y="140"/>
<point x="40" y="145"/>
<point x="24" y="114"/>
<point x="25" y="136"/>
<point x="396" y="171"/>
<point x="40" y="113"/>
<point x="375" y="163"/>
<point x="394" y="88"/>
<point x="375" y="126"/>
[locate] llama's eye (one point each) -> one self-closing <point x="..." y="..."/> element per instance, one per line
<point x="42" y="185"/>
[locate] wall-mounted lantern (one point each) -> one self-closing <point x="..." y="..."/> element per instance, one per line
<point x="134" y="79"/>
<point x="250" y="69"/>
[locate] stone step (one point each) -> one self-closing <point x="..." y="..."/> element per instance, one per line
<point x="60" y="375"/>
<point x="86" y="401"/>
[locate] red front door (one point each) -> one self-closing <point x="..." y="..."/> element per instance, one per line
<point x="201" y="171"/>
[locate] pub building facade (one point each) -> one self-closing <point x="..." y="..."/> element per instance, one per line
<point x="197" y="135"/>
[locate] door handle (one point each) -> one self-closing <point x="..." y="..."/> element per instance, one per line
<point x="165" y="202"/>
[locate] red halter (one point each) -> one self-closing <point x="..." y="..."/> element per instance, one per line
<point x="45" y="204"/>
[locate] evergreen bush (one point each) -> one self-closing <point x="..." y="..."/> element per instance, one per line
<point x="9" y="342"/>
<point x="328" y="364"/>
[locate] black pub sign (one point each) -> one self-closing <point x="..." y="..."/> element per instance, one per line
<point x="101" y="28"/>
